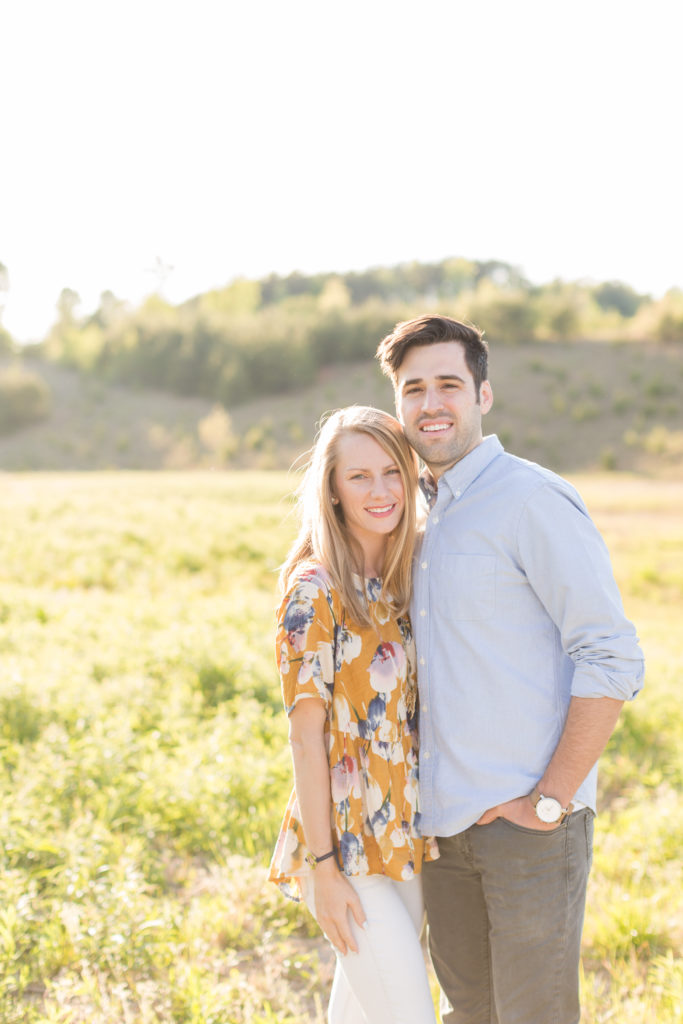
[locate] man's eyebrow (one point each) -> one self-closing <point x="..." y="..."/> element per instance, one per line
<point x="439" y="376"/>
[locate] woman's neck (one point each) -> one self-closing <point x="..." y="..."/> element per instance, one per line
<point x="373" y="556"/>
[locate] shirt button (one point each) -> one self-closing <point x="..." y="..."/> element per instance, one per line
<point x="458" y="493"/>
<point x="426" y="755"/>
<point x="424" y="707"/>
<point x="422" y="612"/>
<point x="435" y="520"/>
<point x="424" y="565"/>
<point x="422" y="661"/>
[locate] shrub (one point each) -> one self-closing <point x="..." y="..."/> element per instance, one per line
<point x="24" y="398"/>
<point x="6" y="342"/>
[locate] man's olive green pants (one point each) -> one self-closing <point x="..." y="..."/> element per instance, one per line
<point x="505" y="908"/>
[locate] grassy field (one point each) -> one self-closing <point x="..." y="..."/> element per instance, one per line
<point x="144" y="764"/>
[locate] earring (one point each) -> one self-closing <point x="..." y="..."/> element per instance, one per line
<point x="335" y="501"/>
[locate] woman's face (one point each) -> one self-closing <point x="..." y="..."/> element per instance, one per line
<point x="369" y="487"/>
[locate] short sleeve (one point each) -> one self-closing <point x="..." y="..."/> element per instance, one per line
<point x="305" y="642"/>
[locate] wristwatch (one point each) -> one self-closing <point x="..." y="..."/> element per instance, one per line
<point x="311" y="858"/>
<point x="548" y="809"/>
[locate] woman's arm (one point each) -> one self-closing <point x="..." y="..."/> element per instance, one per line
<point x="334" y="896"/>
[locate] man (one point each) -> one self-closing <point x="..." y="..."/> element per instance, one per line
<point x="524" y="658"/>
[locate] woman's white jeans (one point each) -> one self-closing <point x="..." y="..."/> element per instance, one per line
<point x="385" y="982"/>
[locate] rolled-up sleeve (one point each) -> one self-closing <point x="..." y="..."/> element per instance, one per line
<point x="568" y="566"/>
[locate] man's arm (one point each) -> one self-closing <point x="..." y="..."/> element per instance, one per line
<point x="568" y="567"/>
<point x="567" y="564"/>
<point x="589" y="725"/>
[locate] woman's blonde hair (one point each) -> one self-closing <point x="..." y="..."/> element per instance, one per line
<point x="324" y="538"/>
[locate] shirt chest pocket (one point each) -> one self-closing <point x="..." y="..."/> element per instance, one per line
<point x="466" y="586"/>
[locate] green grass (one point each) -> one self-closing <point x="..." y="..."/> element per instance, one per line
<point x="144" y="764"/>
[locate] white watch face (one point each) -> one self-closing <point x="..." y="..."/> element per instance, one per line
<point x="548" y="809"/>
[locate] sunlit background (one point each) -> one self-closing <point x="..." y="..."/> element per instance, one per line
<point x="168" y="146"/>
<point x="210" y="213"/>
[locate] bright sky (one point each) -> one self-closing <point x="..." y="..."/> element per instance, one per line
<point x="238" y="138"/>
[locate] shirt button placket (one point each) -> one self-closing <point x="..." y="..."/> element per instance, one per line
<point x="425" y="708"/>
<point x="423" y="589"/>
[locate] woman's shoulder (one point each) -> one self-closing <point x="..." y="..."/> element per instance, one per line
<point x="312" y="575"/>
<point x="310" y="585"/>
<point x="309" y="600"/>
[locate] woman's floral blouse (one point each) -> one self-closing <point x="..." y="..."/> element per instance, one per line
<point x="366" y="678"/>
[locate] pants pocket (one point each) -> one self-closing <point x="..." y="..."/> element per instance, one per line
<point x="589" y="828"/>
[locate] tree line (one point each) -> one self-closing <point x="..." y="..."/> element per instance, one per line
<point x="255" y="337"/>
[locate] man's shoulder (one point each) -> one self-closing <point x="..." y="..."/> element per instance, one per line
<point x="527" y="477"/>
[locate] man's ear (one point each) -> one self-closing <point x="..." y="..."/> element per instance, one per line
<point x="485" y="397"/>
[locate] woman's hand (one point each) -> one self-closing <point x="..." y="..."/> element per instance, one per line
<point x="334" y="898"/>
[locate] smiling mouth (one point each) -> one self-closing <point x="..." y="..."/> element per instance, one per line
<point x="381" y="510"/>
<point x="434" y="428"/>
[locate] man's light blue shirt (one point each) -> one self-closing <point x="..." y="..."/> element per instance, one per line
<point x="515" y="610"/>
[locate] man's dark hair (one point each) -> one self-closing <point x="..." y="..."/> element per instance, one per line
<point x="429" y="330"/>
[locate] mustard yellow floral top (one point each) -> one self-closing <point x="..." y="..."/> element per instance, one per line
<point x="366" y="678"/>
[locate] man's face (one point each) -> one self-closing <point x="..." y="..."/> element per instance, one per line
<point x="437" y="404"/>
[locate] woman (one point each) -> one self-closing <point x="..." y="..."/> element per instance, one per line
<point x="350" y="841"/>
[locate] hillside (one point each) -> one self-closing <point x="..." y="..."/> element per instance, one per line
<point x="573" y="406"/>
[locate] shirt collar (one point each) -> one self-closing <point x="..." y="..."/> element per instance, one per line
<point x="464" y="472"/>
<point x="429" y="487"/>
